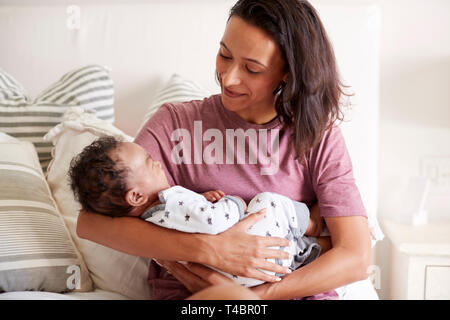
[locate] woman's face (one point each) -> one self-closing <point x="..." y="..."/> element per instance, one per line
<point x="250" y="68"/>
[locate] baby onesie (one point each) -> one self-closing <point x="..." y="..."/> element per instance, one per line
<point x="184" y="210"/>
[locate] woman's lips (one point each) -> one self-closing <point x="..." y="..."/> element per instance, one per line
<point x="232" y="94"/>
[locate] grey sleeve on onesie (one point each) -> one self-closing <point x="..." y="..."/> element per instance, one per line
<point x="308" y="247"/>
<point x="302" y="213"/>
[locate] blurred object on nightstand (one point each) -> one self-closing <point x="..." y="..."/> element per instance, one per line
<point x="412" y="208"/>
<point x="420" y="260"/>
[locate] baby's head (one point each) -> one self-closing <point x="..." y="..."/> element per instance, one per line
<point x="116" y="178"/>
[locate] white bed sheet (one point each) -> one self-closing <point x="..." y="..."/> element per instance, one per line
<point x="41" y="295"/>
<point x="361" y="290"/>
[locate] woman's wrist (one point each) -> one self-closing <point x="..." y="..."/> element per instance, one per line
<point x="204" y="249"/>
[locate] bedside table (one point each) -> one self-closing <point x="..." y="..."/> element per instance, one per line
<point x="420" y="260"/>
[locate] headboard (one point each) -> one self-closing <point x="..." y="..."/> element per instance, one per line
<point x="144" y="42"/>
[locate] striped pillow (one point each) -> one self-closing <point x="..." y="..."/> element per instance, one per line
<point x="89" y="87"/>
<point x="177" y="89"/>
<point x="36" y="250"/>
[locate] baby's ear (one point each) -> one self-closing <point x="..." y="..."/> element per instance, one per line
<point x="135" y="198"/>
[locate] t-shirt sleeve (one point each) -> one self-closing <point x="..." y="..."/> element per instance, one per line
<point x="155" y="137"/>
<point x="332" y="177"/>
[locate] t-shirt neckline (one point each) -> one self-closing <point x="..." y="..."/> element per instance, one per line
<point x="238" y="122"/>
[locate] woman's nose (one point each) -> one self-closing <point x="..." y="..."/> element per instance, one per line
<point x="231" y="77"/>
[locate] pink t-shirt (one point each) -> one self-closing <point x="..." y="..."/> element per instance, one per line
<point x="204" y="147"/>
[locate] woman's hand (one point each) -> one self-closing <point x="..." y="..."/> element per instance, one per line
<point x="236" y="252"/>
<point x="194" y="276"/>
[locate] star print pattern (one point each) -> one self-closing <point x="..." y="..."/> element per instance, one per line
<point x="184" y="210"/>
<point x="181" y="212"/>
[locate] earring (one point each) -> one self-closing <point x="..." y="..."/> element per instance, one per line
<point x="279" y="89"/>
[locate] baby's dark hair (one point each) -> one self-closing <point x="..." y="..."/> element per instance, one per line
<point x="98" y="181"/>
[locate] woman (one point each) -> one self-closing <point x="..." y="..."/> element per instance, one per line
<point x="278" y="79"/>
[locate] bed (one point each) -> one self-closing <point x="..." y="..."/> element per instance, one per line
<point x="141" y="53"/>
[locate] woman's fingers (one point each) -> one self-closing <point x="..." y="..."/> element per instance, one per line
<point x="252" y="219"/>
<point x="193" y="276"/>
<point x="258" y="274"/>
<point x="273" y="254"/>
<point x="273" y="242"/>
<point x="214" y="278"/>
<point x="211" y="276"/>
<point x="189" y="279"/>
<point x="274" y="267"/>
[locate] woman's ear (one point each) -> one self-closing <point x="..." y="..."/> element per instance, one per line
<point x="135" y="197"/>
<point x="286" y="77"/>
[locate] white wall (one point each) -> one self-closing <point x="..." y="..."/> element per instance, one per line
<point x="415" y="95"/>
<point x="414" y="114"/>
<point x="414" y="104"/>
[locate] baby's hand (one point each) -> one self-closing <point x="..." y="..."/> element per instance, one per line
<point x="213" y="196"/>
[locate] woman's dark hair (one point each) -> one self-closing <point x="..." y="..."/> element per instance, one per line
<point x="99" y="182"/>
<point x="310" y="100"/>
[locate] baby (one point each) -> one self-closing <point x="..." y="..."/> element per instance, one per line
<point x="117" y="178"/>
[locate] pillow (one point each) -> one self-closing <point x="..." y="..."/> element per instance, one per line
<point x="177" y="89"/>
<point x="7" y="138"/>
<point x="36" y="250"/>
<point x="90" y="87"/>
<point x="110" y="270"/>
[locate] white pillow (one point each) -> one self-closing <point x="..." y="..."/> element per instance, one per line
<point x="177" y="89"/>
<point x="36" y="250"/>
<point x="27" y="119"/>
<point x="7" y="138"/>
<point x="110" y="270"/>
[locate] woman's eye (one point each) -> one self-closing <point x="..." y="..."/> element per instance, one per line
<point x="250" y="71"/>
<point x="224" y="57"/>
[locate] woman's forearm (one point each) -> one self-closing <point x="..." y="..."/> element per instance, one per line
<point x="346" y="262"/>
<point x="333" y="269"/>
<point x="233" y="251"/>
<point x="140" y="238"/>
